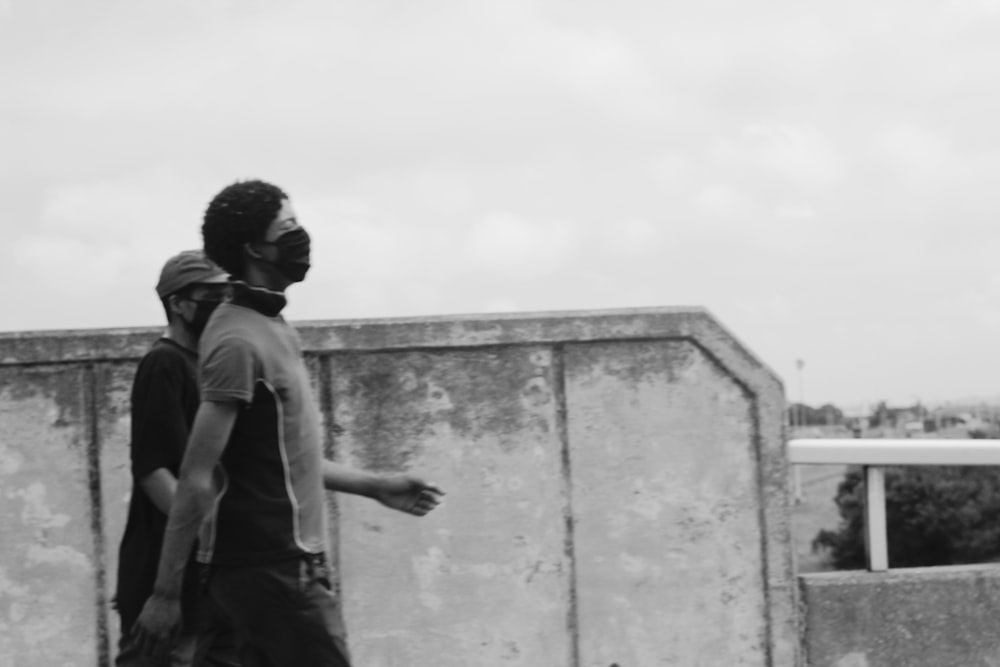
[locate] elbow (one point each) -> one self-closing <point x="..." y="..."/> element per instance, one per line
<point x="197" y="490"/>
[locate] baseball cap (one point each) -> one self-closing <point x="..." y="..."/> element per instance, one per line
<point x="188" y="268"/>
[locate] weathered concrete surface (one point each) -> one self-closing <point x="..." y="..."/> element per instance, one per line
<point x="616" y="488"/>
<point x="48" y="568"/>
<point x="920" y="617"/>
<point x="113" y="386"/>
<point x="665" y="494"/>
<point x="485" y="578"/>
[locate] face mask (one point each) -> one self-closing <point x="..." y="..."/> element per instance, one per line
<point x="202" y="311"/>
<point x="293" y="254"/>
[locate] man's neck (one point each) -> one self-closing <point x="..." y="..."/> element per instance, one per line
<point x="180" y="334"/>
<point x="257" y="276"/>
<point x="266" y="301"/>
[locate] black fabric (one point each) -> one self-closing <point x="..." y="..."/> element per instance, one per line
<point x="264" y="301"/>
<point x="164" y="403"/>
<point x="284" y="613"/>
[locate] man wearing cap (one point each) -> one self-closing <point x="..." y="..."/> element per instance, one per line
<point x="164" y="402"/>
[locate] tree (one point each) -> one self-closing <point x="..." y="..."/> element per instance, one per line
<point x="934" y="516"/>
<point x="801" y="414"/>
<point x="880" y="415"/>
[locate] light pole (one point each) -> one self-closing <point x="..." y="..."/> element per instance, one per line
<point x="796" y="474"/>
<point x="799" y="365"/>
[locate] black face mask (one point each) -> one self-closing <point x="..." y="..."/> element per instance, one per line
<point x="293" y="254"/>
<point x="202" y="311"/>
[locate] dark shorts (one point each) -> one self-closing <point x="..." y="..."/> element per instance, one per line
<point x="284" y="614"/>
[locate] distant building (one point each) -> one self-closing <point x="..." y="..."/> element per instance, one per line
<point x="909" y="419"/>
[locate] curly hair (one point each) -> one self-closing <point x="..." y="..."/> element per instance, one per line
<point x="236" y="216"/>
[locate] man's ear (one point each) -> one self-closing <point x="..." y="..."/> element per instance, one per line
<point x="249" y="249"/>
<point x="175" y="305"/>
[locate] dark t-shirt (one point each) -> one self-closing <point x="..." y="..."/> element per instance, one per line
<point x="164" y="403"/>
<point x="270" y="504"/>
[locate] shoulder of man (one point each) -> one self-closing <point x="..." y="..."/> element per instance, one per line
<point x="229" y="320"/>
<point x="164" y="354"/>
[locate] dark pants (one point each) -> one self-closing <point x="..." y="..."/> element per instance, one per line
<point x="285" y="614"/>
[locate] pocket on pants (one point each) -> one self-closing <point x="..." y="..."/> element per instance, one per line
<point x="313" y="570"/>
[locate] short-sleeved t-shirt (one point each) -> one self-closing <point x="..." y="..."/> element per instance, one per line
<point x="164" y="402"/>
<point x="270" y="503"/>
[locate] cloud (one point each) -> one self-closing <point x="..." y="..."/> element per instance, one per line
<point x="796" y="211"/>
<point x="452" y="156"/>
<point x="976" y="9"/>
<point x="722" y="202"/>
<point x="152" y="204"/>
<point x="501" y="305"/>
<point x="917" y="154"/>
<point x="632" y="239"/>
<point x="363" y="84"/>
<point x="982" y="302"/>
<point x="801" y="155"/>
<point x="514" y="247"/>
<point x="94" y="252"/>
<point x="354" y="241"/>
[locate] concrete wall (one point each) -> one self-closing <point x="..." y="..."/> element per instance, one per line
<point x="616" y="491"/>
<point x="919" y="617"/>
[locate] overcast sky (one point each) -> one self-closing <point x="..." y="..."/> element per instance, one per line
<point x="821" y="176"/>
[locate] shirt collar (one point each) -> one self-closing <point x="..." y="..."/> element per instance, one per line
<point x="264" y="301"/>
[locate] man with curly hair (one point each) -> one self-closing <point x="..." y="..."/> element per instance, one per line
<point x="253" y="475"/>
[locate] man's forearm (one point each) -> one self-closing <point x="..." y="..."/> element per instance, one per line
<point x="338" y="477"/>
<point x="399" y="492"/>
<point x="190" y="506"/>
<point x="160" y="486"/>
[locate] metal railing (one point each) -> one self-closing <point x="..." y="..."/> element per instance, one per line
<point x="874" y="455"/>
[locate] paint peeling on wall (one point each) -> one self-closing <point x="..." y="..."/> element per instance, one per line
<point x="663" y="510"/>
<point x="47" y="611"/>
<point x="61" y="555"/>
<point x="493" y="545"/>
<point x="487" y="579"/>
<point x="36" y="511"/>
<point x="419" y="391"/>
<point x="10" y="460"/>
<point x="113" y="387"/>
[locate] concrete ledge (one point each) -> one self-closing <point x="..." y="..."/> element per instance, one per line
<point x="47" y="347"/>
<point x="919" y="617"/>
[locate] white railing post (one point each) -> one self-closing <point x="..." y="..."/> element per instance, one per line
<point x="876" y="536"/>
<point x="873" y="455"/>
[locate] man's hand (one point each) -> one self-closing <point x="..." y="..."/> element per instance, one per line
<point x="157" y="628"/>
<point x="407" y="494"/>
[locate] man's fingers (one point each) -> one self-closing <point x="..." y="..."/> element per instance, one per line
<point x="158" y="649"/>
<point x="412" y="495"/>
<point x="155" y="650"/>
<point x="430" y="488"/>
<point x="429" y="502"/>
<point x="151" y="645"/>
<point x="423" y="505"/>
<point x="144" y="642"/>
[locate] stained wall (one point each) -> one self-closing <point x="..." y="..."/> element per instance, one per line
<point x="616" y="491"/>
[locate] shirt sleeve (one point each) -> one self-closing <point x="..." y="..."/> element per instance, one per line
<point x="159" y="426"/>
<point x="228" y="371"/>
